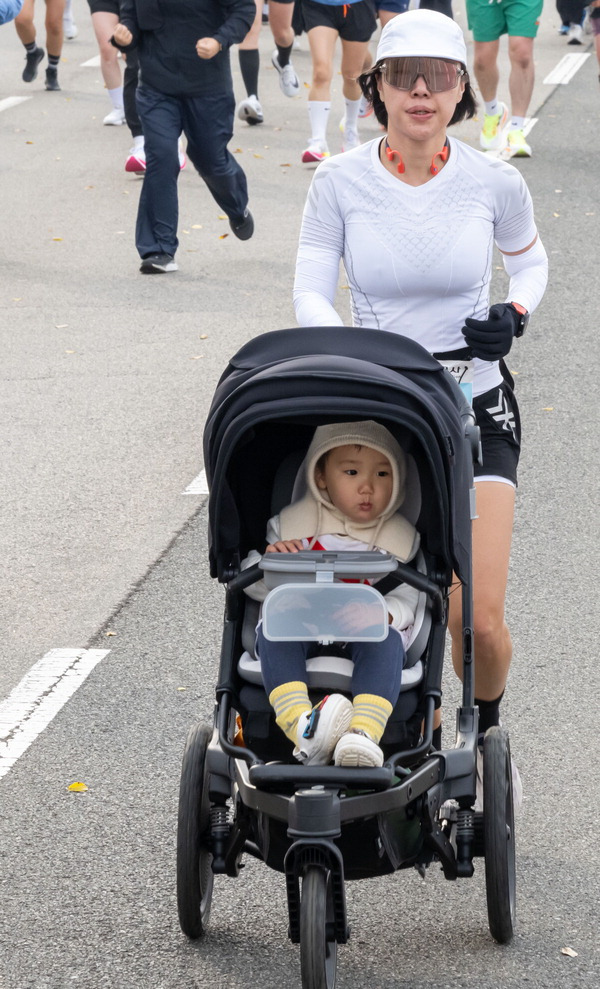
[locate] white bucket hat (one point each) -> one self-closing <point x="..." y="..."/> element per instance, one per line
<point x="425" y="33"/>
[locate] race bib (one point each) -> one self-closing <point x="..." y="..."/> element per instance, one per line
<point x="462" y="372"/>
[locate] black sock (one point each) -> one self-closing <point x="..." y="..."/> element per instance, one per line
<point x="31" y="47"/>
<point x="489" y="715"/>
<point x="283" y="54"/>
<point x="436" y="739"/>
<point x="249" y="65"/>
<point x="53" y="60"/>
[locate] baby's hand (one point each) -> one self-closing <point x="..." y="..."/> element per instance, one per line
<point x="122" y="35"/>
<point x="285" y="546"/>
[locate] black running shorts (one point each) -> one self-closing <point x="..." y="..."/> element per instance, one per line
<point x="104" y="6"/>
<point x="352" y="21"/>
<point x="497" y="415"/>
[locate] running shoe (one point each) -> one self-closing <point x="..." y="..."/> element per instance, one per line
<point x="494" y="125"/>
<point x="288" y="80"/>
<point x="52" y="79"/>
<point x="517" y="146"/>
<point x="516" y="782"/>
<point x="575" y="35"/>
<point x="243" y="228"/>
<point x="316" y="151"/>
<point x="32" y="60"/>
<point x="563" y="29"/>
<point x="157" y="264"/>
<point x="136" y="160"/>
<point x="115" y="118"/>
<point x="365" y="109"/>
<point x="250" y="110"/>
<point x="351" y="138"/>
<point x="320" y="730"/>
<point x="70" y="30"/>
<point x="355" y="748"/>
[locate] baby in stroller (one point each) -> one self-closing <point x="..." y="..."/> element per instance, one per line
<point x="354" y="478"/>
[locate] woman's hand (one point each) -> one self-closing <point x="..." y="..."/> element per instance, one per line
<point x="122" y="35"/>
<point x="286" y="546"/>
<point x="208" y="47"/>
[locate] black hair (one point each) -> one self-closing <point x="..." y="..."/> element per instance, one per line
<point x="367" y="81"/>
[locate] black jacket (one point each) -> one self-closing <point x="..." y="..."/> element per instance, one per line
<point x="165" y="33"/>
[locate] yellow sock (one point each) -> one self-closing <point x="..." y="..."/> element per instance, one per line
<point x="289" y="701"/>
<point x="371" y="714"/>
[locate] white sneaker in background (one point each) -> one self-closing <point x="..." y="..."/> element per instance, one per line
<point x="115" y="118"/>
<point x="250" y="110"/>
<point x="288" y="80"/>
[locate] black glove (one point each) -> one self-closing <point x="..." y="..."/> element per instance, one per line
<point x="491" y="338"/>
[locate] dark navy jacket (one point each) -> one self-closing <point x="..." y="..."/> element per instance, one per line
<point x="165" y="33"/>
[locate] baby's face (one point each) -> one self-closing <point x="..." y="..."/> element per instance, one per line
<point x="358" y="480"/>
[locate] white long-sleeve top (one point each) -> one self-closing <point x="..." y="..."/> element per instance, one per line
<point x="401" y="602"/>
<point x="418" y="259"/>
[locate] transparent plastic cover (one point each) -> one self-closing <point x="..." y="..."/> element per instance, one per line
<point x="325" y="613"/>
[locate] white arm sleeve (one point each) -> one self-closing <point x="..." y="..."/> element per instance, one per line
<point x="528" y="273"/>
<point x="320" y="249"/>
<point x="259" y="590"/>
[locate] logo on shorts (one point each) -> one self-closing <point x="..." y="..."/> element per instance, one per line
<point x="502" y="413"/>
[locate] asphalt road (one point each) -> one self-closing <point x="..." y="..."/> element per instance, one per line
<point x="106" y="378"/>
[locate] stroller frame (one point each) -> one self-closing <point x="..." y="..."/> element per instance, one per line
<point x="233" y="803"/>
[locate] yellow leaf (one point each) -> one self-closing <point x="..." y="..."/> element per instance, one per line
<point x="69" y="351"/>
<point x="222" y="216"/>
<point x="548" y="408"/>
<point x="556" y="214"/>
<point x="28" y="142"/>
<point x="196" y="226"/>
<point x="78" y="787"/>
<point x="182" y="688"/>
<point x="57" y="238"/>
<point x="204" y="336"/>
<point x="223" y="236"/>
<point x="110" y="633"/>
<point x="186" y="231"/>
<point x="285" y="164"/>
<point x="258" y="156"/>
<point x="238" y="151"/>
<point x="569" y="952"/>
<point x="18" y="300"/>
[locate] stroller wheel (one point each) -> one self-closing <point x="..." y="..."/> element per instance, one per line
<point x="194" y="860"/>
<point x="318" y="947"/>
<point x="499" y="835"/>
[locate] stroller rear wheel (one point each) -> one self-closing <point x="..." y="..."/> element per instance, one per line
<point x="318" y="947"/>
<point x="194" y="872"/>
<point x="499" y="835"/>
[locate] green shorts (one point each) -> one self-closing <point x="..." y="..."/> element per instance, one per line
<point x="517" y="18"/>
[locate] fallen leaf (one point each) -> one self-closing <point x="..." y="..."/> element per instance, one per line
<point x="548" y="408"/>
<point x="198" y="357"/>
<point x="182" y="688"/>
<point x="223" y="236"/>
<point x="258" y="156"/>
<point x="18" y="300"/>
<point x="307" y="85"/>
<point x="69" y="351"/>
<point x="556" y="214"/>
<point x="569" y="952"/>
<point x="89" y="187"/>
<point x="196" y="226"/>
<point x="125" y="192"/>
<point x="78" y="787"/>
<point x="57" y="238"/>
<point x="285" y="164"/>
<point x="28" y="142"/>
<point x="61" y="326"/>
<point x="186" y="231"/>
<point x="57" y="159"/>
<point x="222" y="216"/>
<point x="238" y="151"/>
<point x="110" y="633"/>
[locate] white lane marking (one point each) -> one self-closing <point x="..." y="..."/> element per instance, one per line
<point x="199" y="486"/>
<point x="92" y="63"/>
<point x="565" y="70"/>
<point x="35" y="701"/>
<point x="12" y="101"/>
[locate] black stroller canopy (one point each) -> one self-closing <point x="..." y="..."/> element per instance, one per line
<point x="281" y="385"/>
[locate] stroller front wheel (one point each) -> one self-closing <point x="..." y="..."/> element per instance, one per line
<point x="194" y="859"/>
<point x="318" y="947"/>
<point x="499" y="835"/>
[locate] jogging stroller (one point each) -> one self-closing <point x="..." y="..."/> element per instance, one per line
<point x="241" y="791"/>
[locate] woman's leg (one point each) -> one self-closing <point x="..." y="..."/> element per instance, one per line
<point x="24" y="23"/>
<point x="54" y="27"/>
<point x="104" y="24"/>
<point x="492" y="535"/>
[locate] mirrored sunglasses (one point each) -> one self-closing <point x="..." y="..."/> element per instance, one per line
<point x="439" y="75"/>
